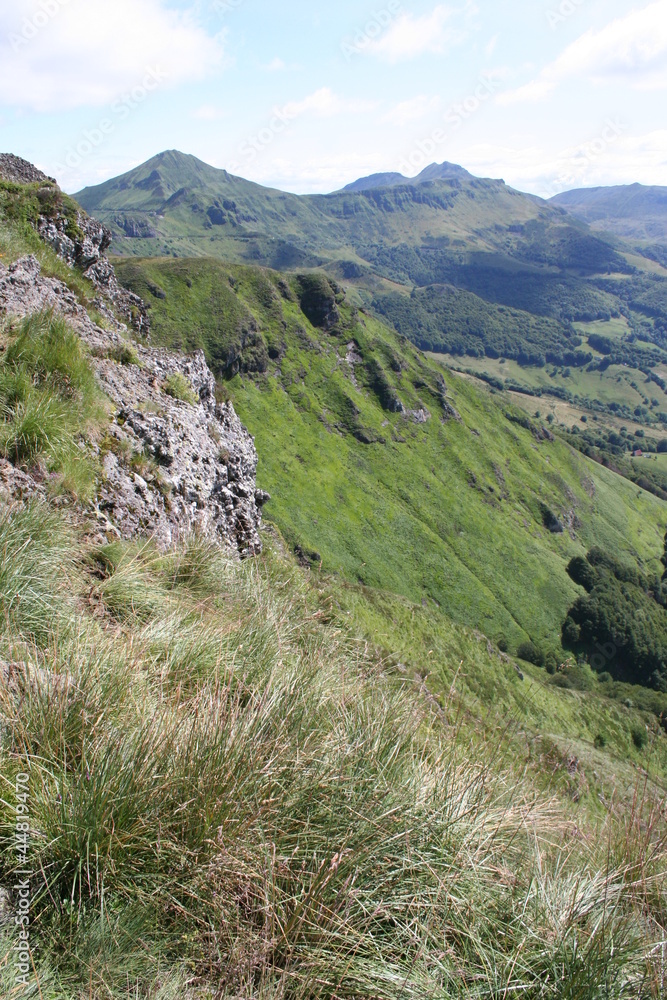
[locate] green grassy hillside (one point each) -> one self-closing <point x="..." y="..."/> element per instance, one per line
<point x="264" y="780"/>
<point x="228" y="790"/>
<point x="449" y="511"/>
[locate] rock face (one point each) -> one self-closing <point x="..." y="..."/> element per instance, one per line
<point x="171" y="466"/>
<point x="86" y="250"/>
<point x="13" y="168"/>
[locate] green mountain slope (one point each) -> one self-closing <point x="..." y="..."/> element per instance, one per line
<point x="372" y="474"/>
<point x="253" y="779"/>
<point x="479" y="235"/>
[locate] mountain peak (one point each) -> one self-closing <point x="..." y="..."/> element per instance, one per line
<point x="434" y="172"/>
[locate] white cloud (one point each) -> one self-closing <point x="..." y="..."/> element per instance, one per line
<point x="276" y="65"/>
<point x="609" y="156"/>
<point x="63" y="54"/>
<point x="314" y="174"/>
<point x="324" y="103"/>
<point x="410" y="36"/>
<point x="412" y="110"/>
<point x="632" y="49"/>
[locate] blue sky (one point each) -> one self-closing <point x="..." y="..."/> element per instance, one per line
<point x="307" y="96"/>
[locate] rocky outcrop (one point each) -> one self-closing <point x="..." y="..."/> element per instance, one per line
<point x="201" y="462"/>
<point x="18" y="171"/>
<point x="171" y="465"/>
<point x="84" y="246"/>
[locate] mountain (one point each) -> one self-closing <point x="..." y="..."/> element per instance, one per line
<point x="478" y="235"/>
<point x="305" y="777"/>
<point x="434" y="172"/>
<point x="632" y="211"/>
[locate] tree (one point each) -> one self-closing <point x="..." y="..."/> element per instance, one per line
<point x="580" y="571"/>
<point x="531" y="653"/>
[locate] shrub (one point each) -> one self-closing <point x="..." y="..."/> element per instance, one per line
<point x="124" y="354"/>
<point x="600" y="741"/>
<point x="562" y="681"/>
<point x="531" y="653"/>
<point x="552" y="662"/>
<point x="580" y="571"/>
<point x="177" y="386"/>
<point x="503" y="644"/>
<point x="639" y="736"/>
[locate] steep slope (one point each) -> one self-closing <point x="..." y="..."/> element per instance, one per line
<point x="180" y="198"/>
<point x="165" y="458"/>
<point x="243" y="778"/>
<point x="372" y="471"/>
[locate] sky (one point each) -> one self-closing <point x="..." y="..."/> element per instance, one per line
<point x="307" y="96"/>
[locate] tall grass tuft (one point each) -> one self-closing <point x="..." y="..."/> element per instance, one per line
<point x="48" y="401"/>
<point x="230" y="799"/>
<point x="36" y="573"/>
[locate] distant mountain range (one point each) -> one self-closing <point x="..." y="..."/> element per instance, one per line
<point x="632" y="211"/>
<point x="465" y="249"/>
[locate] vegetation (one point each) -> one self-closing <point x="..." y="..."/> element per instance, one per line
<point x="458" y="240"/>
<point x="229" y="795"/>
<point x="621" y="623"/>
<point x="177" y="386"/>
<point x="46" y="383"/>
<point x="531" y="653"/>
<point x="268" y="780"/>
<point x="432" y="510"/>
<point x="448" y="320"/>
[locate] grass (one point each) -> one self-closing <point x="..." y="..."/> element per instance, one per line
<point x="49" y="402"/>
<point x="254" y="780"/>
<point x="178" y="386"/>
<point x="231" y="796"/>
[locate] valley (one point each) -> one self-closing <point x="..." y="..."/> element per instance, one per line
<point x="432" y="522"/>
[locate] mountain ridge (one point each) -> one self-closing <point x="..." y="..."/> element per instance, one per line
<point x="435" y="171"/>
<point x="631" y="211"/>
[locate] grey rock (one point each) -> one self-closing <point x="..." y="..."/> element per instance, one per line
<point x="6" y="907"/>
<point x="19" y="171"/>
<point x="86" y="251"/>
<point x="171" y="467"/>
<point x="420" y="416"/>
